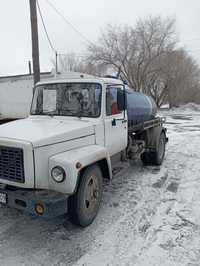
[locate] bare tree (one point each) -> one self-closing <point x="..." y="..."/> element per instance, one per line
<point x="70" y="62"/>
<point x="176" y="80"/>
<point x="181" y="76"/>
<point x="79" y="63"/>
<point x="146" y="56"/>
<point x="134" y="50"/>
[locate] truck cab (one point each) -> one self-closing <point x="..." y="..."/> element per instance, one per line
<point x="54" y="161"/>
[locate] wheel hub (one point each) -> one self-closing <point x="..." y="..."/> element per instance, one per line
<point x="92" y="194"/>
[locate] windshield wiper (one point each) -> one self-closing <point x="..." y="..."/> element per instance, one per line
<point x="64" y="112"/>
<point x="48" y="113"/>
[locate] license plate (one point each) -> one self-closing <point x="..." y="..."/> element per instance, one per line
<point x="3" y="198"/>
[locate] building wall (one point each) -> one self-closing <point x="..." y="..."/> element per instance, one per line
<point x="16" y="95"/>
<point x="15" y="98"/>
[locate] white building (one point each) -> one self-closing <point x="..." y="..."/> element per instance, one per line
<point x="16" y="95"/>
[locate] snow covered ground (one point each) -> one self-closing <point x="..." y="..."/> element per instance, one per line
<point x="150" y="215"/>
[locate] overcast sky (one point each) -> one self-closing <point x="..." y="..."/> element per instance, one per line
<point x="89" y="17"/>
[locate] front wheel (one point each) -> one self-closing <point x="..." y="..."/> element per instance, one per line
<point x="84" y="205"/>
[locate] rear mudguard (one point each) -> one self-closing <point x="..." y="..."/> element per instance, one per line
<point x="153" y="136"/>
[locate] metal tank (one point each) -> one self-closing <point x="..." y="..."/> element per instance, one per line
<point x="140" y="107"/>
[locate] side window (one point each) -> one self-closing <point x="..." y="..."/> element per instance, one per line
<point x="113" y="96"/>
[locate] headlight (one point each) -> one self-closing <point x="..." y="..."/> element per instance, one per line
<point x="58" y="174"/>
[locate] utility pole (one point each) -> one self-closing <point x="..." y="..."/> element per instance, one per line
<point x="35" y="45"/>
<point x="29" y="67"/>
<point x="56" y="64"/>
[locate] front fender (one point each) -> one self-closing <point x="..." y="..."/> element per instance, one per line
<point x="86" y="156"/>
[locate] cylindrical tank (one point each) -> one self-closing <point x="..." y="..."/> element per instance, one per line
<point x="140" y="107"/>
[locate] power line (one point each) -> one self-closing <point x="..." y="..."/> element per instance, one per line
<point x="45" y="29"/>
<point x="71" y="54"/>
<point x="69" y="23"/>
<point x="57" y="55"/>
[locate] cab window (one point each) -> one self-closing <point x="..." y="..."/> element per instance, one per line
<point x="114" y="96"/>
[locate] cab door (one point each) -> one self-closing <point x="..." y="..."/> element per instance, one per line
<point x="116" y="129"/>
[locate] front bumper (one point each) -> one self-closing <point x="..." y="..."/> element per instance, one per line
<point x="54" y="203"/>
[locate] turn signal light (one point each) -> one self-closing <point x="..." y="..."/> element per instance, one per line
<point x="39" y="208"/>
<point x="78" y="165"/>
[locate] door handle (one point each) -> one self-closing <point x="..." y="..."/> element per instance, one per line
<point x="114" y="122"/>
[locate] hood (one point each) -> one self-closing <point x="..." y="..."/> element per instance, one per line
<point x="41" y="131"/>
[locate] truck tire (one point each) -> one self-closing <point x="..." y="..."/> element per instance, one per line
<point x="145" y="158"/>
<point x="155" y="158"/>
<point x="158" y="156"/>
<point x="84" y="205"/>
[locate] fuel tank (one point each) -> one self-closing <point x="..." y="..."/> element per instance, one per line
<point x="140" y="107"/>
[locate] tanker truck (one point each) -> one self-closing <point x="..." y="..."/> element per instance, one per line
<point x="77" y="133"/>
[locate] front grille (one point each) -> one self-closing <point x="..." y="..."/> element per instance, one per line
<point x="12" y="164"/>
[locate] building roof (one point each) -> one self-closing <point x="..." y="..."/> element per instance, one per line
<point x="49" y="77"/>
<point x="23" y="77"/>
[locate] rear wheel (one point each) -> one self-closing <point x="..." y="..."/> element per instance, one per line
<point x="145" y="158"/>
<point x="84" y="205"/>
<point x="159" y="154"/>
<point x="155" y="158"/>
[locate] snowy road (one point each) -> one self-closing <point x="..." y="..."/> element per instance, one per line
<point x="150" y="216"/>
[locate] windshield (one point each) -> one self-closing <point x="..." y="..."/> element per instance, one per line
<point x="67" y="99"/>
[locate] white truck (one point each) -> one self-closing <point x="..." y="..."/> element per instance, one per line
<point x="54" y="161"/>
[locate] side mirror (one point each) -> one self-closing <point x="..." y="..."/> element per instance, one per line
<point x="121" y="100"/>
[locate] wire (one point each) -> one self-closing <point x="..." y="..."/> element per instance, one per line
<point x="69" y="23"/>
<point x="75" y="54"/>
<point x="45" y="29"/>
<point x="78" y="32"/>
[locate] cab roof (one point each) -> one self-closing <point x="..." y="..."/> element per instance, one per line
<point x="80" y="77"/>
